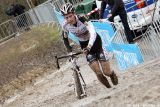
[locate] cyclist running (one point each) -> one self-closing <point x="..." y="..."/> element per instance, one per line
<point x="90" y="43"/>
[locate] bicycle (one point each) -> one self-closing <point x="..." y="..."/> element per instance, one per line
<point x="80" y="84"/>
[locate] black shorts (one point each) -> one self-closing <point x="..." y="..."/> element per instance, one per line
<point x="96" y="52"/>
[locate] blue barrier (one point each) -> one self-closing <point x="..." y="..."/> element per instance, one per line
<point x="104" y="26"/>
<point x="106" y="32"/>
<point x="106" y="39"/>
<point x="60" y="18"/>
<point x="127" y="55"/>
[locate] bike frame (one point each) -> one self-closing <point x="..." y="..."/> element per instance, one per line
<point x="79" y="81"/>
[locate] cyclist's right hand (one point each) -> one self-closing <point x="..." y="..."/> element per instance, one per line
<point x="86" y="50"/>
<point x="70" y="53"/>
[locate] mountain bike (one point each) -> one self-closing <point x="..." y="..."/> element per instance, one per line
<point x="80" y="84"/>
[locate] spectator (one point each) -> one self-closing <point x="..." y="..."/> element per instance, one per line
<point x="117" y="8"/>
<point x="16" y="10"/>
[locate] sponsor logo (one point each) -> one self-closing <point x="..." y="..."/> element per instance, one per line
<point x="128" y="1"/>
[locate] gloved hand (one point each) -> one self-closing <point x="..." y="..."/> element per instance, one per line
<point x="70" y="53"/>
<point x="110" y="17"/>
<point x="86" y="50"/>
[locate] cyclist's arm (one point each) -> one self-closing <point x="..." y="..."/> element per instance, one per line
<point x="83" y="19"/>
<point x="66" y="42"/>
<point x="93" y="34"/>
<point x="65" y="39"/>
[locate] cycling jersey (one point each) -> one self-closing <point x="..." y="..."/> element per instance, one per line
<point x="87" y="37"/>
<point x="81" y="31"/>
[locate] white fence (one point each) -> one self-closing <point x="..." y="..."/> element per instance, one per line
<point x="40" y="14"/>
<point x="150" y="42"/>
<point x="7" y="30"/>
<point x="43" y="13"/>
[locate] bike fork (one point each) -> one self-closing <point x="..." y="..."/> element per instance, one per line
<point x="80" y="75"/>
<point x="83" y="85"/>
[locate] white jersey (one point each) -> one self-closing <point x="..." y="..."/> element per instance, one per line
<point x="82" y="31"/>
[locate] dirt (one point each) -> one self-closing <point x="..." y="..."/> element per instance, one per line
<point x="45" y="86"/>
<point x="138" y="87"/>
<point x="23" y="59"/>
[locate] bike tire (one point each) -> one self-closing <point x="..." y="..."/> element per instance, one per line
<point x="78" y="85"/>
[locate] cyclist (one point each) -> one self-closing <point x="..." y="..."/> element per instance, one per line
<point x="90" y="43"/>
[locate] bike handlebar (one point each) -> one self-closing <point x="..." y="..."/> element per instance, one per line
<point x="65" y="56"/>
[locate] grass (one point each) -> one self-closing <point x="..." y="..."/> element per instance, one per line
<point x="26" y="57"/>
<point x="37" y="37"/>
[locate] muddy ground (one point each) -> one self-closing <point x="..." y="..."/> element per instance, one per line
<point x="138" y="87"/>
<point x="32" y="80"/>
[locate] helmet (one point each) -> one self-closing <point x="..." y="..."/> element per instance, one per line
<point x="67" y="8"/>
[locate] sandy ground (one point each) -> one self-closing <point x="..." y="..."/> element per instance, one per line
<point x="138" y="87"/>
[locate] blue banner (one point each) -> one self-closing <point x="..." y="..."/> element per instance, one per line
<point x="104" y="26"/>
<point x="60" y="18"/>
<point x="127" y="55"/>
<point x="106" y="39"/>
<point x="106" y="32"/>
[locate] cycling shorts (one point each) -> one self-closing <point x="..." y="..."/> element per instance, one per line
<point x="96" y="56"/>
<point x="96" y="52"/>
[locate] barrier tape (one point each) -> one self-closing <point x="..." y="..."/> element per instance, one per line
<point x="93" y="11"/>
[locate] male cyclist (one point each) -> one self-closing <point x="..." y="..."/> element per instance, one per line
<point x="90" y="43"/>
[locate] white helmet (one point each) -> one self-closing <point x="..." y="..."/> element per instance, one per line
<point x="67" y="8"/>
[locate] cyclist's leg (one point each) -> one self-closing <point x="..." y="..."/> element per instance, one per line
<point x="106" y="68"/>
<point x="94" y="65"/>
<point x="107" y="71"/>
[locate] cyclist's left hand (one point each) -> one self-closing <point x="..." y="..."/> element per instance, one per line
<point x="109" y="15"/>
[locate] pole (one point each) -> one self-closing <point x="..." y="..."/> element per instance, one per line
<point x="30" y="4"/>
